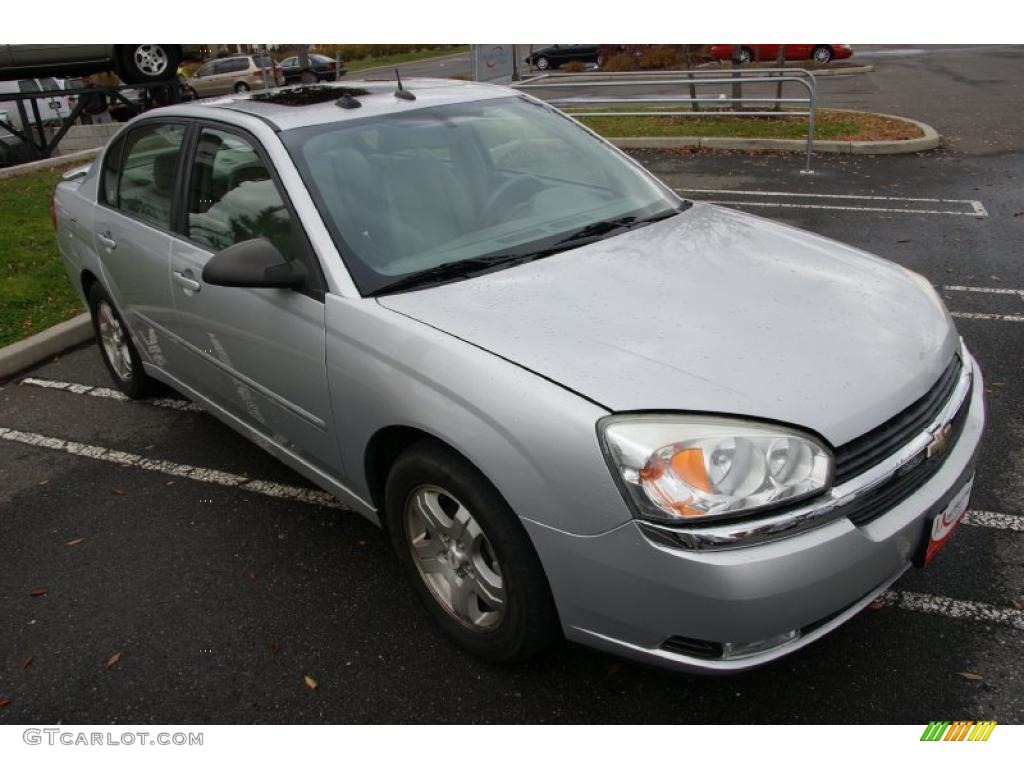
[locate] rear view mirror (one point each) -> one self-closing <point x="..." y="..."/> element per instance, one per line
<point x="253" y="264"/>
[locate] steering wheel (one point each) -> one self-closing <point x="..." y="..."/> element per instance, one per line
<point x="504" y="189"/>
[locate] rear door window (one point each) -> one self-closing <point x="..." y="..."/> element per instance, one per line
<point x="146" y="186"/>
<point x="233" y="197"/>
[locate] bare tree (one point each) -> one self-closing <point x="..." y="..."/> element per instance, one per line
<point x="780" y="61"/>
<point x="688" y="63"/>
<point x="737" y="87"/>
<point x="307" y="72"/>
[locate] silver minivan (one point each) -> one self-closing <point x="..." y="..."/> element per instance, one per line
<point x="580" y="405"/>
<point x="237" y="74"/>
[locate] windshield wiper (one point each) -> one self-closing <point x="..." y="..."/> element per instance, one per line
<point x="605" y="227"/>
<point x="453" y="270"/>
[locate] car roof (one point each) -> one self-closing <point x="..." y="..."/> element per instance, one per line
<point x="377" y="98"/>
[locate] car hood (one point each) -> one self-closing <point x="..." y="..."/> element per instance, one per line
<point x="712" y="311"/>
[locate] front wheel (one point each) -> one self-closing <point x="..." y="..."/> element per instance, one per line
<point x="746" y="56"/>
<point x="822" y="54"/>
<point x="116" y="347"/>
<point x="468" y="556"/>
<point x="147" y="63"/>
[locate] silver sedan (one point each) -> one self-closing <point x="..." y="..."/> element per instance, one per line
<point x="580" y="405"/>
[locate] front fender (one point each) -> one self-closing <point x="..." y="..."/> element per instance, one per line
<point x="535" y="440"/>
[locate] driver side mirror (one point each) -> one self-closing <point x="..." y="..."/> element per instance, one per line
<point x="253" y="264"/>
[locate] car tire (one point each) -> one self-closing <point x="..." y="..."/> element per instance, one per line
<point x="542" y="63"/>
<point x="116" y="347"/>
<point x="143" y="63"/>
<point x="242" y="88"/>
<point x="746" y="55"/>
<point x="468" y="549"/>
<point x="821" y="54"/>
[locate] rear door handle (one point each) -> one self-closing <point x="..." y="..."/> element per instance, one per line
<point x="107" y="240"/>
<point x="186" y="281"/>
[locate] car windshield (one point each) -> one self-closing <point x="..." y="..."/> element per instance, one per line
<point x="471" y="183"/>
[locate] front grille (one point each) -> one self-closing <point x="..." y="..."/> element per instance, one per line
<point x="901" y="485"/>
<point x="869" y="449"/>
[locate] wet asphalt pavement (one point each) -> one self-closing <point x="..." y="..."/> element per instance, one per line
<point x="220" y="600"/>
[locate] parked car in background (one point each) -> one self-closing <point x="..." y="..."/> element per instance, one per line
<point x="821" y="53"/>
<point x="135" y="63"/>
<point x="322" y="67"/>
<point x="580" y="404"/>
<point x="235" y="74"/>
<point x="555" y="56"/>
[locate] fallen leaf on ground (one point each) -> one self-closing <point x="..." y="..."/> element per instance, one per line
<point x="971" y="676"/>
<point x="311" y="683"/>
<point x="1018" y="604"/>
<point x="275" y="647"/>
<point x="362" y="542"/>
<point x="876" y="604"/>
<point x="117" y="491"/>
<point x="114" y="658"/>
<point x="37" y="592"/>
<point x="43" y="482"/>
<point x="75" y="542"/>
<point x="26" y="661"/>
<point x="169" y="482"/>
<point x="4" y="702"/>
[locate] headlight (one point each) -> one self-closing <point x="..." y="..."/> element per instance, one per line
<point x="693" y="468"/>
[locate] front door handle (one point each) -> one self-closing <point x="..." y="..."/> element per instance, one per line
<point x="107" y="240"/>
<point x="186" y="281"/>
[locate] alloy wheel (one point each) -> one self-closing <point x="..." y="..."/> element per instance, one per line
<point x="151" y="60"/>
<point x="454" y="558"/>
<point x="114" y="340"/>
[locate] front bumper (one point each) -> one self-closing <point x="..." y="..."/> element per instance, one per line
<point x="621" y="592"/>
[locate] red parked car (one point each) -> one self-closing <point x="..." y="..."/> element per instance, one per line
<point x="820" y="53"/>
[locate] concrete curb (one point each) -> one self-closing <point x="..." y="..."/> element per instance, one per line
<point x="50" y="162"/>
<point x="27" y="352"/>
<point x="930" y="140"/>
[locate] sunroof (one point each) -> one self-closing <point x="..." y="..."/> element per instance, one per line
<point x="305" y="95"/>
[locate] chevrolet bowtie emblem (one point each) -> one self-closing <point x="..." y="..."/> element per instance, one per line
<point x="940" y="441"/>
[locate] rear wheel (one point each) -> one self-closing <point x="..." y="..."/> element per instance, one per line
<point x="746" y="55"/>
<point x="116" y="347"/>
<point x="467" y="555"/>
<point x="147" y="63"/>
<point x="542" y="63"/>
<point x="822" y="54"/>
<point x="242" y="88"/>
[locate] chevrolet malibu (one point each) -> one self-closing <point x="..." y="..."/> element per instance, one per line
<point x="579" y="405"/>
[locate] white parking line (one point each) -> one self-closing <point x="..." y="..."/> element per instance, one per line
<point x="911" y="601"/>
<point x="200" y="474"/>
<point x="953" y="609"/>
<point x="977" y="209"/>
<point x="988" y="316"/>
<point x="983" y="519"/>
<point x="110" y="394"/>
<point x="985" y="289"/>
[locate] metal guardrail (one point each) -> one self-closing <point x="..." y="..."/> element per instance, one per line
<point x="33" y="131"/>
<point x="686" y="78"/>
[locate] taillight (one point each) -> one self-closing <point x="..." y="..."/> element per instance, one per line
<point x="53" y="209"/>
<point x="257" y="73"/>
